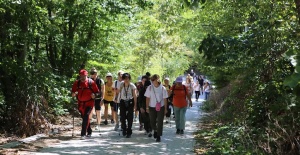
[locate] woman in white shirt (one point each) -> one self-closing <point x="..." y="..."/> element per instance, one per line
<point x="128" y="101"/>
<point x="197" y="90"/>
<point x="156" y="106"/>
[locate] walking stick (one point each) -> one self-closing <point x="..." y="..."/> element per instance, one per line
<point x="73" y="125"/>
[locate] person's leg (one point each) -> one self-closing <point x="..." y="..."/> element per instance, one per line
<point x="177" y="118"/>
<point x="160" y="121"/>
<point x="86" y="121"/>
<point x="105" y="112"/>
<point x="112" y="106"/>
<point x="182" y="119"/>
<point x="98" y="113"/>
<point x="123" y="117"/>
<point x="116" y="108"/>
<point x="206" y="95"/>
<point x="130" y="120"/>
<point x="153" y="116"/>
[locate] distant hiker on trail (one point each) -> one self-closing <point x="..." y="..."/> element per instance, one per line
<point x="180" y="103"/>
<point x="128" y="102"/>
<point x="156" y="106"/>
<point x="139" y="86"/>
<point x="100" y="84"/>
<point x="109" y="99"/>
<point x="197" y="90"/>
<point x="170" y="105"/>
<point x="189" y="84"/>
<point x="207" y="88"/>
<point x="201" y="82"/>
<point x="116" y="87"/>
<point x="86" y="91"/>
<point x="145" y="118"/>
<point x="192" y="73"/>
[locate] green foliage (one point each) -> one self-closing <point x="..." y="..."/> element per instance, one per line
<point x="261" y="65"/>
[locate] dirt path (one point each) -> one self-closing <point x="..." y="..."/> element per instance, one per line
<point x="109" y="142"/>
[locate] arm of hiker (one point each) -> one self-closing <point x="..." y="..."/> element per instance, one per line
<point x="74" y="89"/>
<point x="134" y="99"/>
<point x="165" y="97"/>
<point x="166" y="106"/>
<point x="147" y="104"/>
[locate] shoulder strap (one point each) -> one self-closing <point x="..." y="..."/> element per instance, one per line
<point x="116" y="83"/>
<point x="78" y="84"/>
<point x="90" y="84"/>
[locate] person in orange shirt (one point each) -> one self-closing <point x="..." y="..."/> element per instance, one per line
<point x="180" y="97"/>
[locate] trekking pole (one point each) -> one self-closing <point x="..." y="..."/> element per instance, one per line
<point x="74" y="102"/>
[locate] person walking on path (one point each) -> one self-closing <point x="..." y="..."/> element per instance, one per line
<point x="189" y="84"/>
<point x="85" y="90"/>
<point x="197" y="90"/>
<point x="170" y="105"/>
<point x="156" y="106"/>
<point x="145" y="118"/>
<point x="109" y="99"/>
<point x="206" y="90"/>
<point x="180" y="96"/>
<point x="201" y="82"/>
<point x="100" y="84"/>
<point x="128" y="102"/>
<point x="116" y="87"/>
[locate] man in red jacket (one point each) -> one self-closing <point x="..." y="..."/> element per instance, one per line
<point x="85" y="90"/>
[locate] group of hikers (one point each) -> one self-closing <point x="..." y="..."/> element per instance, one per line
<point x="150" y="98"/>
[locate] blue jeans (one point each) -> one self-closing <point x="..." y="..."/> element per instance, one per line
<point x="206" y="95"/>
<point x="180" y="117"/>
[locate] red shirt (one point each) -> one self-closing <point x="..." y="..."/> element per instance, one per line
<point x="179" y="96"/>
<point x="84" y="92"/>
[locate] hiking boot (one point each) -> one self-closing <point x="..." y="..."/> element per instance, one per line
<point x="181" y="132"/>
<point x="149" y="134"/>
<point x="141" y="127"/>
<point x="116" y="127"/>
<point x="124" y="133"/>
<point x="155" y="134"/>
<point x="128" y="136"/>
<point x="177" y="131"/>
<point x="112" y="121"/>
<point x="89" y="136"/>
<point x="158" y="139"/>
<point x="97" y="128"/>
<point x="82" y="138"/>
<point x="105" y="122"/>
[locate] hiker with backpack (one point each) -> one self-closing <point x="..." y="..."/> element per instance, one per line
<point x="145" y="118"/>
<point x="170" y="105"/>
<point x="100" y="84"/>
<point x="181" y="97"/>
<point x="86" y="90"/>
<point x="116" y="87"/>
<point x="156" y="106"/>
<point x="109" y="99"/>
<point x="128" y="103"/>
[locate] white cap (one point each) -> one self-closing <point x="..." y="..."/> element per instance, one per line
<point x="108" y="74"/>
